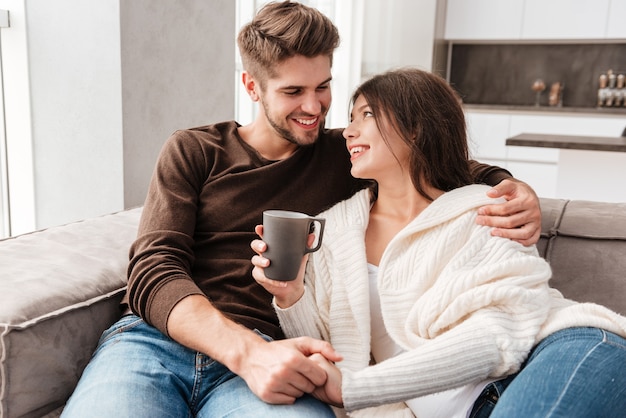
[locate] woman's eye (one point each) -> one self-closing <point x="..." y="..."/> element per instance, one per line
<point x="368" y="114"/>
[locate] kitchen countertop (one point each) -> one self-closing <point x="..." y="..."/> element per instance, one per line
<point x="590" y="143"/>
<point x="619" y="111"/>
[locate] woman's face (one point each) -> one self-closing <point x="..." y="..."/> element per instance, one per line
<point x="370" y="155"/>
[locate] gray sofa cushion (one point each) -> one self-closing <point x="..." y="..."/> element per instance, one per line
<point x="60" y="289"/>
<point x="585" y="243"/>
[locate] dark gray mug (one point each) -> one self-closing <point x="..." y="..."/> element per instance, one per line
<point x="286" y="234"/>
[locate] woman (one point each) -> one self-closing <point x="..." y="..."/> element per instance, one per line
<point x="452" y="320"/>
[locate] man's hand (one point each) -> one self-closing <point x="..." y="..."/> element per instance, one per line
<point x="279" y="372"/>
<point x="330" y="392"/>
<point x="519" y="218"/>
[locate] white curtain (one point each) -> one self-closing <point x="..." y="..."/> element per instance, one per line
<point x="5" y="221"/>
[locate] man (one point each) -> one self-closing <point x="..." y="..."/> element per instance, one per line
<point x="200" y="337"/>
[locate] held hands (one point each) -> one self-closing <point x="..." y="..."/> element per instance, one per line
<point x="519" y="218"/>
<point x="285" y="293"/>
<point x="330" y="392"/>
<point x="279" y="372"/>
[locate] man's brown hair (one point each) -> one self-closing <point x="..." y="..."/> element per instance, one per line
<point x="281" y="30"/>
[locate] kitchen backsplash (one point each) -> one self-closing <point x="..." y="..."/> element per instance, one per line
<point x="503" y="74"/>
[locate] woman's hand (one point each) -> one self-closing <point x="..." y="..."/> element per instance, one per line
<point x="519" y="218"/>
<point x="285" y="293"/>
<point x="331" y="391"/>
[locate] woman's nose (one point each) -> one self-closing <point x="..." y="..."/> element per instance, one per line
<point x="350" y="132"/>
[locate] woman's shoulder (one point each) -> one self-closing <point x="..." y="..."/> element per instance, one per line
<point x="465" y="198"/>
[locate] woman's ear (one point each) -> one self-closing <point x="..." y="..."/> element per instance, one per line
<point x="250" y="85"/>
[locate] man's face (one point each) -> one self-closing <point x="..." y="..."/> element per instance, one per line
<point x="295" y="102"/>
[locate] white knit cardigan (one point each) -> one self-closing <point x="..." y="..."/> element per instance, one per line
<point x="463" y="304"/>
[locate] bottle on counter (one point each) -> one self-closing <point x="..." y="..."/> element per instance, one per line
<point x="620" y="91"/>
<point x="538" y="87"/>
<point x="610" y="98"/>
<point x="611" y="90"/>
<point x="603" y="90"/>
<point x="555" y="98"/>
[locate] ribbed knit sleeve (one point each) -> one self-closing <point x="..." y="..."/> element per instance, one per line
<point x="302" y="318"/>
<point x="451" y="363"/>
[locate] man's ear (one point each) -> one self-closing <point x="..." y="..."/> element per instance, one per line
<point x="250" y="85"/>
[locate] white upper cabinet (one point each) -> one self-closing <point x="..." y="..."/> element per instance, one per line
<point x="487" y="133"/>
<point x="565" y="19"/>
<point x="617" y="20"/>
<point x="478" y="20"/>
<point x="484" y="19"/>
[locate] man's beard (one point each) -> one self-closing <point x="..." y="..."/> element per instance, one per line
<point x="310" y="136"/>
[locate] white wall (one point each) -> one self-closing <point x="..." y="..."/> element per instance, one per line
<point x="75" y="78"/>
<point x="92" y="90"/>
<point x="178" y="64"/>
<point x="398" y="33"/>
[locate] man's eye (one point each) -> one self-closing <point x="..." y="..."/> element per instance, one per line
<point x="292" y="91"/>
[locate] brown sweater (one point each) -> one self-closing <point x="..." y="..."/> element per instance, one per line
<point x="207" y="193"/>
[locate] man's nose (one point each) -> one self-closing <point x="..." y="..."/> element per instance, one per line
<point x="312" y="104"/>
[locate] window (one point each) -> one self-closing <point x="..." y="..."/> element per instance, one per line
<point x="5" y="229"/>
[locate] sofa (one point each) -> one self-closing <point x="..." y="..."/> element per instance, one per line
<point x="61" y="287"/>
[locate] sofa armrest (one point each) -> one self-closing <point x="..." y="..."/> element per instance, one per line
<point x="60" y="288"/>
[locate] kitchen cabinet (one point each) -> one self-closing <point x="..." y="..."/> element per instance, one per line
<point x="485" y="134"/>
<point x="565" y="19"/>
<point x="589" y="167"/>
<point x="484" y="19"/>
<point x="535" y="21"/>
<point x="478" y="20"/>
<point x="560" y="125"/>
<point x="542" y="177"/>
<point x="617" y="26"/>
<point x="591" y="175"/>
<point x="539" y="167"/>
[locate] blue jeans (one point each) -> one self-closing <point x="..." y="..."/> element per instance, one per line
<point x="576" y="372"/>
<point x="137" y="372"/>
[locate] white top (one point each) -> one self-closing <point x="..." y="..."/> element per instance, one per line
<point x="453" y="403"/>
